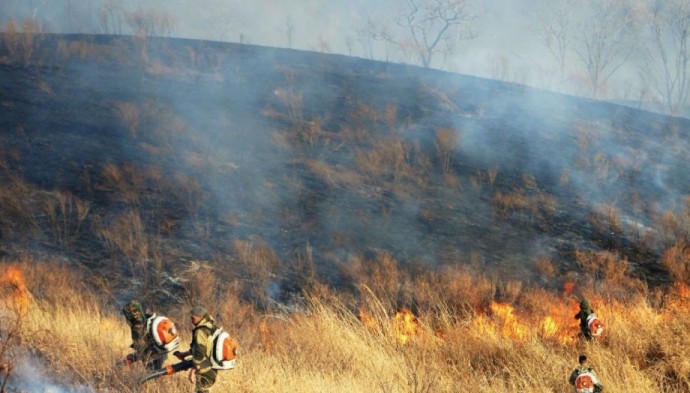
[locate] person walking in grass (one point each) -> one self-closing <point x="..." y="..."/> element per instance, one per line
<point x="143" y="343"/>
<point x="584" y="378"/>
<point x="202" y="373"/>
<point x="583" y="315"/>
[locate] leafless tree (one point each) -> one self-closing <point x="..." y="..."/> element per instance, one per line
<point x="371" y="31"/>
<point x="435" y="26"/>
<point x="667" y="57"/>
<point x="151" y="22"/>
<point x="289" y="30"/>
<point x="110" y="16"/>
<point x="556" y="31"/>
<point x="605" y="39"/>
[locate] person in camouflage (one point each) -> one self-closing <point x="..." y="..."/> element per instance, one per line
<point x="142" y="342"/>
<point x="584" y="368"/>
<point x="585" y="311"/>
<point x="202" y="374"/>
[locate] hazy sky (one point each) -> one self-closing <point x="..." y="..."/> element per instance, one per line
<point x="507" y="44"/>
<point x="503" y="27"/>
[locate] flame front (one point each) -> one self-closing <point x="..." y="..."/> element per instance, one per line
<point x="511" y="327"/>
<point x="14" y="277"/>
<point x="405" y="325"/>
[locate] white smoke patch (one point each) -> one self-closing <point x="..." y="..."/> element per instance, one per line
<point x="28" y="376"/>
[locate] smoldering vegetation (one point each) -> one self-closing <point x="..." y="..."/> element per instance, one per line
<point x="136" y="156"/>
<point x="266" y="182"/>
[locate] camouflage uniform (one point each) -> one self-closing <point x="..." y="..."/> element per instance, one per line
<point x="201" y="348"/>
<point x="585" y="311"/>
<point x="586" y="369"/>
<point x="142" y="342"/>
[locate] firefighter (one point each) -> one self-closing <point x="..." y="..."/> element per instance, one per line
<point x="202" y="373"/>
<point x="584" y="378"/>
<point x="582" y="315"/>
<point x="142" y="342"/>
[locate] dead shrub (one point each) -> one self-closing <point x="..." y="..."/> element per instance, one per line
<point x="129" y="115"/>
<point x="676" y="259"/>
<point x="66" y="214"/>
<point x="446" y="144"/>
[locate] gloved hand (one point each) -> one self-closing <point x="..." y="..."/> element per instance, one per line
<point x="129" y="359"/>
<point x="179" y="355"/>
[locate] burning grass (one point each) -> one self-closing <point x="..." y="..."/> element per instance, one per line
<point x="74" y="335"/>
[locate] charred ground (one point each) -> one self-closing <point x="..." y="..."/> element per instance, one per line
<point x="134" y="157"/>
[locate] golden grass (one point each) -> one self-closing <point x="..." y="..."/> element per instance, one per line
<point x="78" y="335"/>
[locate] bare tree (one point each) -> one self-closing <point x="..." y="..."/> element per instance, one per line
<point x="371" y="31"/>
<point x="556" y="31"/>
<point x="605" y="40"/>
<point x="150" y="23"/>
<point x="667" y="57"/>
<point x="436" y="26"/>
<point x="289" y="30"/>
<point x="110" y="16"/>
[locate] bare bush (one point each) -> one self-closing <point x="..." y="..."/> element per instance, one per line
<point x="66" y="214"/>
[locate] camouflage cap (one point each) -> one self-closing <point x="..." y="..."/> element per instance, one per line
<point x="198" y="311"/>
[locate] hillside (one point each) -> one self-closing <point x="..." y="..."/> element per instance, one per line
<point x="154" y="167"/>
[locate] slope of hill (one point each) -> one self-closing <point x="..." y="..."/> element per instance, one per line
<point x="144" y="161"/>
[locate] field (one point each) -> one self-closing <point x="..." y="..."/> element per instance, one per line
<point x="359" y="226"/>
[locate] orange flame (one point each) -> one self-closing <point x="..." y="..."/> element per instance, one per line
<point x="568" y="287"/>
<point x="559" y="325"/>
<point x="511" y="327"/>
<point x="265" y="335"/>
<point x="14" y="277"/>
<point x="405" y="325"/>
<point x="367" y="320"/>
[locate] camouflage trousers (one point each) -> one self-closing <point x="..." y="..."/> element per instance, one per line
<point x="205" y="381"/>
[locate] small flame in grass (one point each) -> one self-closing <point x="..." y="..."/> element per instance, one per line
<point x="679" y="299"/>
<point x="405" y="325"/>
<point x="265" y="335"/>
<point x="568" y="287"/>
<point x="368" y="321"/>
<point x="14" y="277"/>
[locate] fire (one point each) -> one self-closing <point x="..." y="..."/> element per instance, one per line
<point x="405" y="325"/>
<point x="511" y="327"/>
<point x="14" y="277"/>
<point x="568" y="287"/>
<point x="367" y="320"/>
<point x="557" y="326"/>
<point x="679" y="299"/>
<point x="265" y="335"/>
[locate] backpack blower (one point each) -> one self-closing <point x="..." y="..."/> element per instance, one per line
<point x="169" y="370"/>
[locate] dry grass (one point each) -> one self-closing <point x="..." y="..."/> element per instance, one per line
<point x="502" y="347"/>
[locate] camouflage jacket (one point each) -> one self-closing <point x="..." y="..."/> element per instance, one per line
<point x="201" y="346"/>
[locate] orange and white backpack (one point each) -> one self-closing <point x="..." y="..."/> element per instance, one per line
<point x="584" y="383"/>
<point x="596" y="327"/>
<point x="165" y="335"/>
<point x="223" y="350"/>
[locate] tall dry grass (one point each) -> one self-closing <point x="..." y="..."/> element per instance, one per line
<point x="74" y="336"/>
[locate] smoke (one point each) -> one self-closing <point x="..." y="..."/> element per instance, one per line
<point x="506" y="45"/>
<point x="28" y="376"/>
